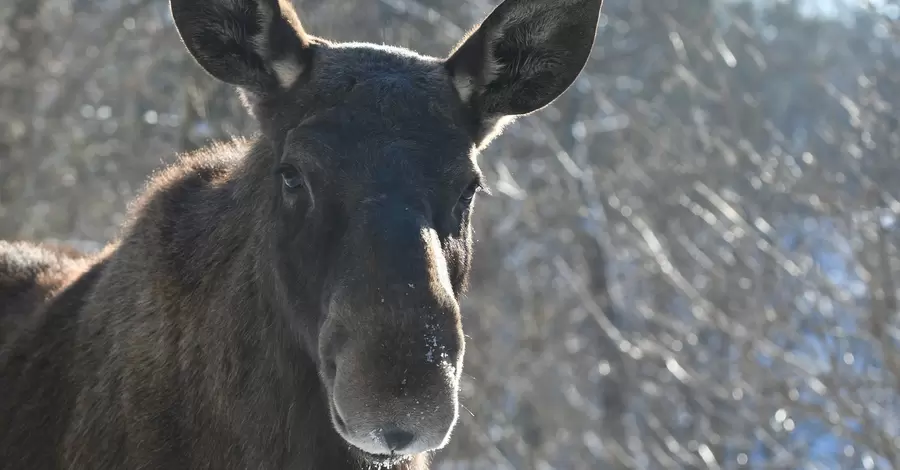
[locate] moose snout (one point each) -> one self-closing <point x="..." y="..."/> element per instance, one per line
<point x="391" y="344"/>
<point x="396" y="395"/>
<point x="381" y="431"/>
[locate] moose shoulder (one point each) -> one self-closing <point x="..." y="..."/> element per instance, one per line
<point x="288" y="301"/>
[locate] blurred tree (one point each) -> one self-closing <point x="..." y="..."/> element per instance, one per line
<point x="24" y="39"/>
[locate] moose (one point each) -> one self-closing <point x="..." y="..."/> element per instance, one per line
<point x="289" y="300"/>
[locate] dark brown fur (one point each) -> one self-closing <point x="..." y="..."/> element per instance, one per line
<point x="29" y="275"/>
<point x="290" y="301"/>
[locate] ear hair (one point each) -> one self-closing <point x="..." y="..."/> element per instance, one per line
<point x="257" y="45"/>
<point x="523" y="56"/>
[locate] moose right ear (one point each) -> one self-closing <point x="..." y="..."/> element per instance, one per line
<point x="257" y="45"/>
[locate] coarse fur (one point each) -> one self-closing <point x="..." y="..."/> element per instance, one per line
<point x="289" y="301"/>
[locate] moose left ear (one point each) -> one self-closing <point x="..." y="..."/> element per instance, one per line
<point x="524" y="55"/>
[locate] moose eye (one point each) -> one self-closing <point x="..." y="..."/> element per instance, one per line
<point x="290" y="176"/>
<point x="465" y="199"/>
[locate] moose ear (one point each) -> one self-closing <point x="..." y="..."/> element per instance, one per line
<point x="523" y="55"/>
<point x="257" y="45"/>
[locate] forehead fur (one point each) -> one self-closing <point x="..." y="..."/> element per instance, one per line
<point x="391" y="82"/>
<point x="370" y="103"/>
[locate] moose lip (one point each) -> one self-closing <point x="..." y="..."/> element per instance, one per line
<point x="379" y="459"/>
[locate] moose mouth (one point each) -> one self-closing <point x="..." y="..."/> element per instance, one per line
<point x="379" y="460"/>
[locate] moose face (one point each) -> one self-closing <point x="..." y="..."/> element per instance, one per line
<point x="374" y="179"/>
<point x="382" y="180"/>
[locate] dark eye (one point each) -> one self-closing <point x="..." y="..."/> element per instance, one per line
<point x="465" y="199"/>
<point x="290" y="176"/>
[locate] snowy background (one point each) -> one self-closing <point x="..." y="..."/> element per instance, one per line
<point x="690" y="260"/>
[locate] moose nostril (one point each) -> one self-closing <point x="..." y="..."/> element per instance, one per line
<point x="397" y="439"/>
<point x="330" y="369"/>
